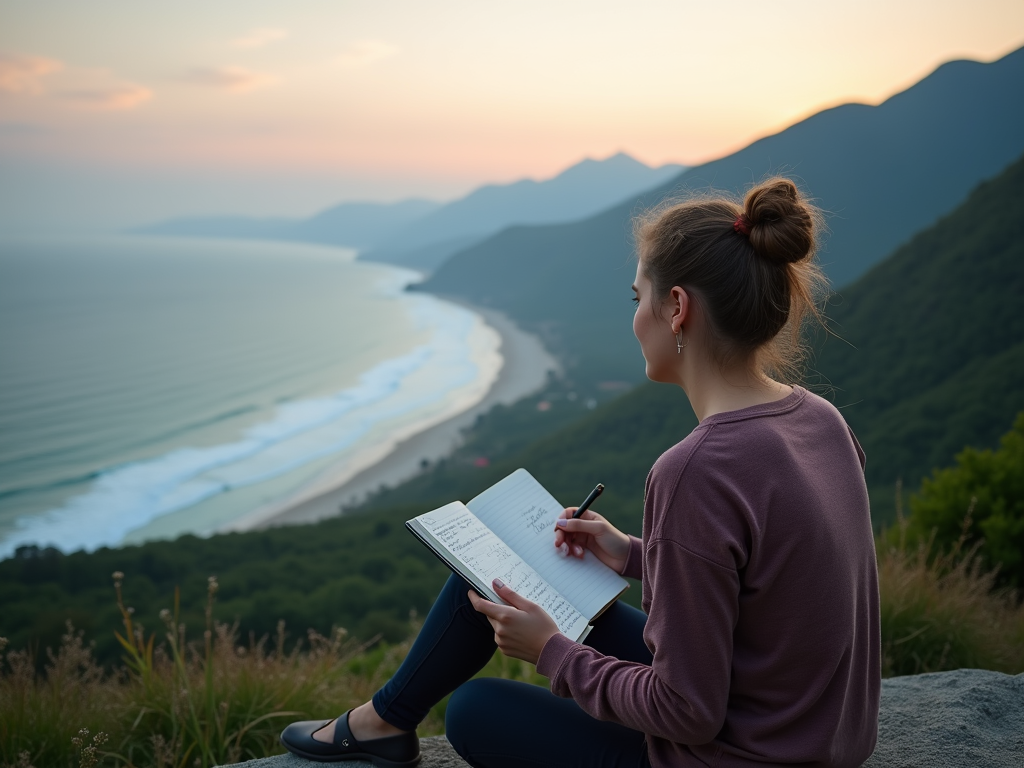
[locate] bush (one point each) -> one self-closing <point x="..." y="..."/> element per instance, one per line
<point x="990" y="486"/>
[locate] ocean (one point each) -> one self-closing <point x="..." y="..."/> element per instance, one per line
<point x="153" y="387"/>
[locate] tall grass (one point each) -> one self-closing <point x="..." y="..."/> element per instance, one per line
<point x="220" y="699"/>
<point x="942" y="611"/>
<point x="176" y="703"/>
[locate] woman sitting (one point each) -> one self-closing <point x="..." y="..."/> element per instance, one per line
<point x="758" y="643"/>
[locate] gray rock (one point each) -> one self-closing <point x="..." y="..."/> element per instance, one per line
<point x="970" y="718"/>
<point x="436" y="752"/>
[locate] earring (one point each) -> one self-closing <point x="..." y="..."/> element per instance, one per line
<point x="679" y="341"/>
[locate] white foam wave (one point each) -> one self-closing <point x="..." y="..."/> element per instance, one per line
<point x="128" y="497"/>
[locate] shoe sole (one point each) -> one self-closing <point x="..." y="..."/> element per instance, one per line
<point x="378" y="761"/>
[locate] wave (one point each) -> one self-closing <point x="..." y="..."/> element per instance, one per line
<point x="125" y="498"/>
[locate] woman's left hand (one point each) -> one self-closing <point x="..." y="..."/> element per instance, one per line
<point x="521" y="628"/>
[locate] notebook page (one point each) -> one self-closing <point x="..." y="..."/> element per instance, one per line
<point x="461" y="533"/>
<point x="522" y="514"/>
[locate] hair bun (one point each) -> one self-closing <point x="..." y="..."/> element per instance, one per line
<point x="781" y="225"/>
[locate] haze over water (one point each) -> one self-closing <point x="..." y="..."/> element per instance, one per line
<point x="152" y="387"/>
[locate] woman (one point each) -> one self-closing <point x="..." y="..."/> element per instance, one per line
<point x="758" y="643"/>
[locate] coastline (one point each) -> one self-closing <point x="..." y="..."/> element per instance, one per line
<point x="525" y="364"/>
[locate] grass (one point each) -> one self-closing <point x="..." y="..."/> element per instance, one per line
<point x="179" y="703"/>
<point x="943" y="611"/>
<point x="220" y="699"/>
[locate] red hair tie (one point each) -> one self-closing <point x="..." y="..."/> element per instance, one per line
<point x="741" y="225"/>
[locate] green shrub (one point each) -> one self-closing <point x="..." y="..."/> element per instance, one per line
<point x="988" y="487"/>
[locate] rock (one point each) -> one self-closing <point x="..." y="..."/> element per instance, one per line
<point x="436" y="751"/>
<point x="963" y="719"/>
<point x="969" y="717"/>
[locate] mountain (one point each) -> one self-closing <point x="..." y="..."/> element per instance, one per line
<point x="927" y="358"/>
<point x="579" y="191"/>
<point x="352" y="225"/>
<point x="422" y="234"/>
<point x="881" y="172"/>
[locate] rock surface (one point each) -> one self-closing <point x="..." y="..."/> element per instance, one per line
<point x="969" y="717"/>
<point x="436" y="752"/>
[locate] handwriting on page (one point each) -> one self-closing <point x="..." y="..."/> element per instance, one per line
<point x="462" y="534"/>
<point x="522" y="514"/>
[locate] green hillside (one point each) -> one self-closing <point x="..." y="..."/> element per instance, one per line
<point x="883" y="173"/>
<point x="930" y="359"/>
<point x="932" y="356"/>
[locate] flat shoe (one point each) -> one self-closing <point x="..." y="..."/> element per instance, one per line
<point x="390" y="752"/>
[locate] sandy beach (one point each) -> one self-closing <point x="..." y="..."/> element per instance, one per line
<point x="524" y="370"/>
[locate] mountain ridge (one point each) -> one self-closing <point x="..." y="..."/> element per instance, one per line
<point x="421" y="234"/>
<point x="883" y="173"/>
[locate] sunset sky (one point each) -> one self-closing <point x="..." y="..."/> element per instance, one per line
<point x="114" y="113"/>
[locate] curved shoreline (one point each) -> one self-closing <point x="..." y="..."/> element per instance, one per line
<point x="524" y="370"/>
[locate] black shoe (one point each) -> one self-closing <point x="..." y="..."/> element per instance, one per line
<point x="390" y="752"/>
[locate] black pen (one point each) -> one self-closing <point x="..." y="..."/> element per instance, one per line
<point x="588" y="501"/>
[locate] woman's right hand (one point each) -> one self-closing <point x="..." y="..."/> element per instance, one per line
<point x="593" y="532"/>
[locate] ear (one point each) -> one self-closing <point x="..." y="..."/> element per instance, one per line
<point x="677" y="307"/>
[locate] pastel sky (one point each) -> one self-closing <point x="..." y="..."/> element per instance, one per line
<point x="115" y="112"/>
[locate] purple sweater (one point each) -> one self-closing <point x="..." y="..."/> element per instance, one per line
<point x="761" y="589"/>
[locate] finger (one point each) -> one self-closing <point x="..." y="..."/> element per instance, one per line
<point x="580" y="525"/>
<point x="511" y="597"/>
<point x="486" y="607"/>
<point x="568" y="512"/>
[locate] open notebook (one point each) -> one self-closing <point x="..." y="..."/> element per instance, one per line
<point x="507" y="532"/>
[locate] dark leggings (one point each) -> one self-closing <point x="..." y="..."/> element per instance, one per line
<point x="495" y="723"/>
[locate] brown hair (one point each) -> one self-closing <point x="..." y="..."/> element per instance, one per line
<point x="756" y="289"/>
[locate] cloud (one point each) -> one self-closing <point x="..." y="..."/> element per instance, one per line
<point x="22" y="74"/>
<point x="113" y="99"/>
<point x="366" y="52"/>
<point x="236" y="79"/>
<point x="257" y="38"/>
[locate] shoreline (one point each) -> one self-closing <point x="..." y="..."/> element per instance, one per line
<point x="524" y="370"/>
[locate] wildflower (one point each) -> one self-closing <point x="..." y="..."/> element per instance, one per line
<point x="118" y="576"/>
<point x="165" y="615"/>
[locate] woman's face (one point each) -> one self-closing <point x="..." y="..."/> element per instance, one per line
<point x="654" y="331"/>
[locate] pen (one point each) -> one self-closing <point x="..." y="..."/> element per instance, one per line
<point x="588" y="501"/>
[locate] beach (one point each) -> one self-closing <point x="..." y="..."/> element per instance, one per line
<point x="257" y="383"/>
<point x="524" y="369"/>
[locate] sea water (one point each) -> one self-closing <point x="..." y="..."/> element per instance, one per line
<point x="152" y="387"/>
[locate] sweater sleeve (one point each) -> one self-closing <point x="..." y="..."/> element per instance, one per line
<point x="682" y="696"/>
<point x="634" y="567"/>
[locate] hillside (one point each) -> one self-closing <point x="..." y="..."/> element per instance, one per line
<point x="932" y="351"/>
<point x="930" y="359"/>
<point x="579" y="191"/>
<point x="882" y="172"/>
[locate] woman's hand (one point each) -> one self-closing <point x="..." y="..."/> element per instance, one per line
<point x="521" y="628"/>
<point x="593" y="532"/>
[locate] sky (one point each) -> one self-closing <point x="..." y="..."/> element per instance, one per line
<point x="115" y="113"/>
